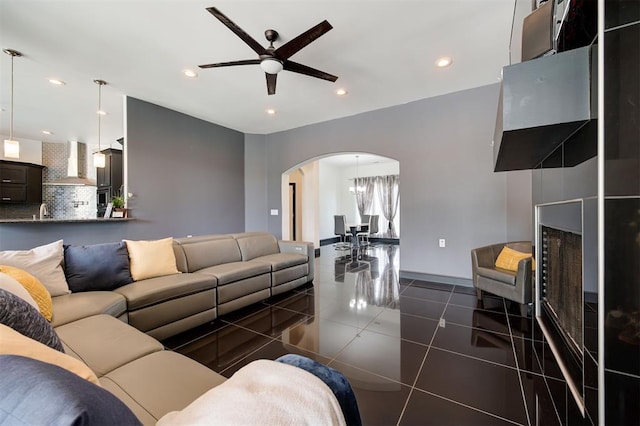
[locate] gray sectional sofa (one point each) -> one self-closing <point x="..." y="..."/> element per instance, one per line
<point x="220" y="274"/>
<point x="116" y="333"/>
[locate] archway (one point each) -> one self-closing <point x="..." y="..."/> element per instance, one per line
<point x="325" y="187"/>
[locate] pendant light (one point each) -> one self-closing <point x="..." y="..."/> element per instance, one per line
<point x="11" y="146"/>
<point x="99" y="157"/>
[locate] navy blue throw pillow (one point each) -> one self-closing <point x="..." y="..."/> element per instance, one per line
<point x="37" y="393"/>
<point x="26" y="320"/>
<point x="97" y="267"/>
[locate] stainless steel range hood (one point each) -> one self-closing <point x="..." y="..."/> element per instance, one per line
<point x="75" y="168"/>
<point x="543" y="103"/>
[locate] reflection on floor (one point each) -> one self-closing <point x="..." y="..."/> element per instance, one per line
<point x="415" y="352"/>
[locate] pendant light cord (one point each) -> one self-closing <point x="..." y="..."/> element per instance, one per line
<point x="100" y="83"/>
<point x="11" y="115"/>
<point x="99" y="112"/>
<point x="13" y="54"/>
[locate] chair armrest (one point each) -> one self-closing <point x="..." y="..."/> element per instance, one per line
<point x="524" y="279"/>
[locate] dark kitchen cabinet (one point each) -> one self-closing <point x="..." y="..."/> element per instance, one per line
<point x="110" y="178"/>
<point x="20" y="182"/>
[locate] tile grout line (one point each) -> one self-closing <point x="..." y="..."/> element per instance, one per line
<point x="413" y="386"/>
<point x="435" y="395"/>
<point x="515" y="358"/>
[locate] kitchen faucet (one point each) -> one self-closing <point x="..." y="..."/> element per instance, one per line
<point x="43" y="211"/>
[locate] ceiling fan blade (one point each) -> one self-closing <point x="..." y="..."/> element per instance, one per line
<point x="271" y="83"/>
<point x="312" y="72"/>
<point x="232" y="63"/>
<point x="238" y="31"/>
<point x="292" y="46"/>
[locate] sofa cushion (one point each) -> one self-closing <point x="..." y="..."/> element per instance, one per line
<point x="257" y="244"/>
<point x="278" y="394"/>
<point x="26" y="320"/>
<point x="75" y="306"/>
<point x="34" y="287"/>
<point x="161" y="382"/>
<point x="12" y="285"/>
<point x="236" y="271"/>
<point x="203" y="254"/>
<point x="14" y="343"/>
<point x="105" y="343"/>
<point x="53" y="395"/>
<point x="149" y="259"/>
<point x="156" y="290"/>
<point x="280" y="261"/>
<point x="44" y="262"/>
<point x="97" y="267"/>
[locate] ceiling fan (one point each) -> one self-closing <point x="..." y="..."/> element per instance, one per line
<point x="273" y="60"/>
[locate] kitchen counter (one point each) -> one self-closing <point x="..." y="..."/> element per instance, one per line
<point x="46" y="221"/>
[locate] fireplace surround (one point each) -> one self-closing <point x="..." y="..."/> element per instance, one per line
<point x="559" y="300"/>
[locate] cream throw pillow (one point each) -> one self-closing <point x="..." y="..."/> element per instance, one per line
<point x="43" y="262"/>
<point x="149" y="259"/>
<point x="7" y="282"/>
<point x="14" y="343"/>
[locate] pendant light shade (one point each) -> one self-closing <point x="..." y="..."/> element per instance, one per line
<point x="99" y="159"/>
<point x="11" y="146"/>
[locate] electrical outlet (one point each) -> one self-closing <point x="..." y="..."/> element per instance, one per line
<point x="442" y="243"/>
<point x="274" y="212"/>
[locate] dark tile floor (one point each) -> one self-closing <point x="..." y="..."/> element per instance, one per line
<point x="415" y="352"/>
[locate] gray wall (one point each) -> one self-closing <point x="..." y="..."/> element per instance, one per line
<point x="186" y="174"/>
<point x="187" y="177"/>
<point x="255" y="183"/>
<point x="448" y="189"/>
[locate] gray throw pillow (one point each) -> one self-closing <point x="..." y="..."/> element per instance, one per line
<point x="26" y="320"/>
<point x="37" y="393"/>
<point x="97" y="267"/>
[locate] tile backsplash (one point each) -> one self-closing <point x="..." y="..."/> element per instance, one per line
<point x="67" y="201"/>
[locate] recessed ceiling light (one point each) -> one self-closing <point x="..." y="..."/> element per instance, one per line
<point x="101" y="112"/>
<point x="190" y="73"/>
<point x="271" y="111"/>
<point x="445" y="61"/>
<point x="56" y="82"/>
<point x="47" y="132"/>
<point x="341" y="92"/>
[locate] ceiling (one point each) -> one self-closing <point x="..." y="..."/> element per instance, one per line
<point x="383" y="52"/>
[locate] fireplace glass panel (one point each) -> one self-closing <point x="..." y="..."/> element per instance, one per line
<point x="562" y="283"/>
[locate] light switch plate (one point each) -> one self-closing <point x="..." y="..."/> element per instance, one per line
<point x="442" y="242"/>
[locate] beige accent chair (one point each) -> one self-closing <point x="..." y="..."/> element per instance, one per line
<point x="516" y="286"/>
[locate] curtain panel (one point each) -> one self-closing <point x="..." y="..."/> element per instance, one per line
<point x="389" y="195"/>
<point x="365" y="187"/>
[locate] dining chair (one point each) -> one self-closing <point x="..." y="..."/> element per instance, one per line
<point x="365" y="228"/>
<point x="340" y="229"/>
<point x="373" y="224"/>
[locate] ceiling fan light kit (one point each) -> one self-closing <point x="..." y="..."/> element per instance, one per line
<point x="271" y="65"/>
<point x="273" y="60"/>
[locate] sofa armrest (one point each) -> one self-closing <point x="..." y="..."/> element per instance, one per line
<point x="300" y="248"/>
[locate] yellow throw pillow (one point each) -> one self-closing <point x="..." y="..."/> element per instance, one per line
<point x="14" y="343"/>
<point x="35" y="288"/>
<point x="508" y="259"/>
<point x="149" y="259"/>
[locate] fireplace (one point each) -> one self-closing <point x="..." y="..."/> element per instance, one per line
<point x="560" y="293"/>
<point x="562" y="283"/>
